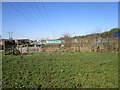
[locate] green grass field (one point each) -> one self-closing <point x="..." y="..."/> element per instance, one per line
<point x="61" y="70"/>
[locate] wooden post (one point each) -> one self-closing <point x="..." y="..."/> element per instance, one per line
<point x="4" y="48"/>
<point x="21" y="49"/>
<point x="27" y="48"/>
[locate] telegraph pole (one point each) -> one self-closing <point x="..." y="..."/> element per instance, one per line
<point x="10" y="35"/>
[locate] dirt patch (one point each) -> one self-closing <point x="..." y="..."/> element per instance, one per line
<point x="22" y="54"/>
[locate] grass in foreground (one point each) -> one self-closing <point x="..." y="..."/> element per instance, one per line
<point x="61" y="70"/>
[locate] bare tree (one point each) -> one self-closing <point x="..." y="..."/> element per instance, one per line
<point x="67" y="39"/>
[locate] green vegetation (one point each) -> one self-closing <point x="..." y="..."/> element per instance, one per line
<point x="61" y="70"/>
<point x="106" y="34"/>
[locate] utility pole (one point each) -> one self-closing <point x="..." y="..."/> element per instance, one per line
<point x="10" y="35"/>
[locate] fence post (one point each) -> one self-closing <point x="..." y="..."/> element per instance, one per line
<point x="4" y="48"/>
<point x="27" y="48"/>
<point x="21" y="49"/>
